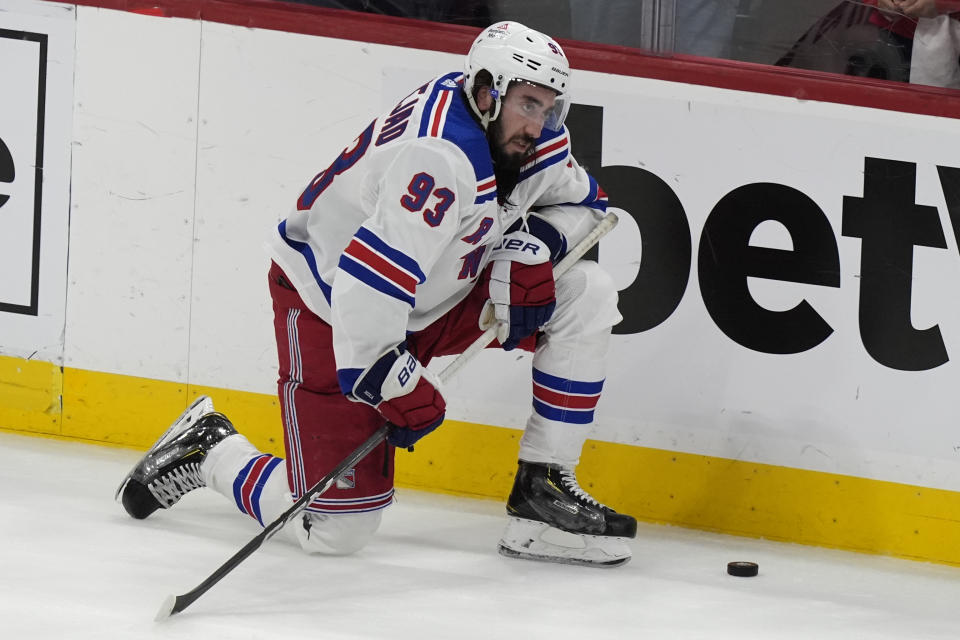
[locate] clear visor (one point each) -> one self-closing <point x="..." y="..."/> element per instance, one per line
<point x="546" y="111"/>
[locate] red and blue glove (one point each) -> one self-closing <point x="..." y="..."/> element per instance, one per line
<point x="404" y="392"/>
<point x="521" y="288"/>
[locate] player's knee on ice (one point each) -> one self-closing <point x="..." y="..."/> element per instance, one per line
<point x="335" y="534"/>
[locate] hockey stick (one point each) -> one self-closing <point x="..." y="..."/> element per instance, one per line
<point x="175" y="604"/>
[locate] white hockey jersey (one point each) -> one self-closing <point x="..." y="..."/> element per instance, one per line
<point x="397" y="230"/>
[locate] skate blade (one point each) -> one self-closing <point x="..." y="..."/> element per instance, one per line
<point x="532" y="540"/>
<point x="607" y="564"/>
<point x="197" y="409"/>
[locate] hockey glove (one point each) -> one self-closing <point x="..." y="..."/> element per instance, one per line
<point x="521" y="289"/>
<point x="545" y="232"/>
<point x="404" y="392"/>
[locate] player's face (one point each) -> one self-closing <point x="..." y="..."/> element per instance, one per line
<point x="525" y="108"/>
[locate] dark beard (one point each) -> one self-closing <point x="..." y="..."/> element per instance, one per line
<point x="506" y="166"/>
<point x="511" y="161"/>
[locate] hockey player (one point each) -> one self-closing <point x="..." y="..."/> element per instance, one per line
<point x="442" y="218"/>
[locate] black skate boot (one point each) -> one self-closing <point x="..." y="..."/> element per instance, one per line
<point x="553" y="519"/>
<point x="171" y="467"/>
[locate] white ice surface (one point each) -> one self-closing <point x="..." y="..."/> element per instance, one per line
<point x="73" y="565"/>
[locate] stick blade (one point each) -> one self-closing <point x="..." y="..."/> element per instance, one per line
<point x="166" y="609"/>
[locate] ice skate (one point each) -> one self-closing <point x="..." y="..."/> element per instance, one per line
<point x="171" y="467"/>
<point x="552" y="519"/>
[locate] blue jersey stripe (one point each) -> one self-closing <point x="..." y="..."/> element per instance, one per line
<point x="570" y="416"/>
<point x="255" y="498"/>
<point x="593" y="199"/>
<point x="427" y="112"/>
<point x="599" y="205"/>
<point x="351" y="501"/>
<point x="426" y="115"/>
<point x="594" y="189"/>
<point x="459" y="127"/>
<point x="547" y="135"/>
<point x="354" y="505"/>
<point x="549" y="162"/>
<point x="374" y="280"/>
<point x="566" y="386"/>
<point x="399" y="258"/>
<point x="487" y="198"/>
<point x="304" y="249"/>
<point x="348" y="379"/>
<point x="238" y="483"/>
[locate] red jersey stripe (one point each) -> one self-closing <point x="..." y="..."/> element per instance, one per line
<point x="439" y="113"/>
<point x="246" y="492"/>
<point x="564" y="400"/>
<point x="381" y="265"/>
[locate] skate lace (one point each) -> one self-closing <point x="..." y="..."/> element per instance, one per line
<point x="569" y="480"/>
<point x="173" y="485"/>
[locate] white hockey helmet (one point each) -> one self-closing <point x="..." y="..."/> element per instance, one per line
<point x="510" y="51"/>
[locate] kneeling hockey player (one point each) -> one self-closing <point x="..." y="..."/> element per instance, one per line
<point x="440" y="219"/>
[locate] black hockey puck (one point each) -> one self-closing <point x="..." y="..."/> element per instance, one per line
<point x="743" y="569"/>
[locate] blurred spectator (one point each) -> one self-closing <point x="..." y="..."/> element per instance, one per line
<point x="697" y="27"/>
<point x="875" y="39"/>
<point x="935" y="57"/>
<point x="704" y="27"/>
<point x="610" y="22"/>
<point x="853" y="39"/>
<point x="890" y="16"/>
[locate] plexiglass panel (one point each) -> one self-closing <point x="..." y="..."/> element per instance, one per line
<point x="901" y="40"/>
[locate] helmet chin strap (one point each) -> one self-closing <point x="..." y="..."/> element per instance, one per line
<point x="485" y="116"/>
<point x="485" y="121"/>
